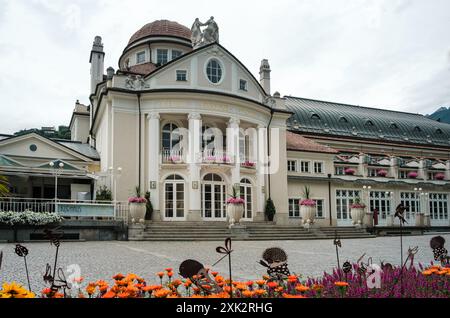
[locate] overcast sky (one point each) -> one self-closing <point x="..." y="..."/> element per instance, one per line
<point x="393" y="54"/>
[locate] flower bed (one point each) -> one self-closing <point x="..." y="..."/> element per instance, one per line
<point x="29" y="218"/>
<point x="416" y="283"/>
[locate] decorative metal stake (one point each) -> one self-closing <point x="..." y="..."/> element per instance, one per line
<point x="399" y="213"/>
<point x="227" y="251"/>
<point x="22" y="251"/>
<point x="54" y="240"/>
<point x="337" y="243"/>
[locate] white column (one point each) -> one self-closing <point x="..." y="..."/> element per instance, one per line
<point x="259" y="151"/>
<point x="154" y="162"/>
<point x="233" y="149"/>
<point x="194" y="160"/>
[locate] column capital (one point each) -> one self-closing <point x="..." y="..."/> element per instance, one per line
<point x="194" y="116"/>
<point x="233" y="121"/>
<point x="153" y="115"/>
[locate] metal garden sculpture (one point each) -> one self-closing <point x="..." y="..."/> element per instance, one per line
<point x="199" y="275"/>
<point x="440" y="253"/>
<point x="22" y="251"/>
<point x="275" y="259"/>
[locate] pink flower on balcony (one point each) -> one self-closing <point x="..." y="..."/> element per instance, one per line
<point x="174" y="158"/>
<point x="439" y="176"/>
<point x="235" y="201"/>
<point x="248" y="164"/>
<point x="211" y="158"/>
<point x="308" y="202"/>
<point x="349" y="171"/>
<point x="226" y="159"/>
<point x="382" y="173"/>
<point x="413" y="174"/>
<point x="137" y="200"/>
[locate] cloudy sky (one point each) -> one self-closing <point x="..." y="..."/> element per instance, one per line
<point x="392" y="54"/>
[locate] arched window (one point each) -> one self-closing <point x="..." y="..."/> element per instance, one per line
<point x="246" y="194"/>
<point x="174" y="197"/>
<point x="170" y="136"/>
<point x="213" y="197"/>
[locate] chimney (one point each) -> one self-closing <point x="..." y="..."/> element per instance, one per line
<point x="97" y="59"/>
<point x="264" y="73"/>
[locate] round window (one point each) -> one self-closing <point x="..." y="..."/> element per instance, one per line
<point x="33" y="147"/>
<point x="214" y="71"/>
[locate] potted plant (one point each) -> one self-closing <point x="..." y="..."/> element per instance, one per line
<point x="357" y="212"/>
<point x="413" y="174"/>
<point x="439" y="176"/>
<point x="103" y="194"/>
<point x="270" y="210"/>
<point x="137" y="207"/>
<point x="307" y="208"/>
<point x="382" y="173"/>
<point x="148" y="207"/>
<point x="235" y="207"/>
<point x="349" y="171"/>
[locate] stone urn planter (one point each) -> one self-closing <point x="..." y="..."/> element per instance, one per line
<point x="358" y="212"/>
<point x="358" y="215"/>
<point x="235" y="213"/>
<point x="308" y="214"/>
<point x="137" y="212"/>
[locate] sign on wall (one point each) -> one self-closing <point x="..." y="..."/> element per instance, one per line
<point x="85" y="210"/>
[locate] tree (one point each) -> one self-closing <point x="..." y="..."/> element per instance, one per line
<point x="270" y="210"/>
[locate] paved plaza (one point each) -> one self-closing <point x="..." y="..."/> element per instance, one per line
<point x="101" y="260"/>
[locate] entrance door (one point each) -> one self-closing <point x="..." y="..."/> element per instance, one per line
<point x="412" y="201"/>
<point x="381" y="201"/>
<point x="439" y="209"/>
<point x="344" y="200"/>
<point x="213" y="198"/>
<point x="174" y="198"/>
<point x="246" y="194"/>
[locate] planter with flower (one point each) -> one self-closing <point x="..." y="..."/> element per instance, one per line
<point x="439" y="176"/>
<point x="349" y="171"/>
<point x="248" y="164"/>
<point x="175" y="159"/>
<point x="413" y="175"/>
<point x="357" y="212"/>
<point x="382" y="173"/>
<point x="138" y="207"/>
<point x="307" y="208"/>
<point x="235" y="207"/>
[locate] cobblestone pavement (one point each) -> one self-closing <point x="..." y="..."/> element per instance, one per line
<point x="101" y="260"/>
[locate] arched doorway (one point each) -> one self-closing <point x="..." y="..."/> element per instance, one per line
<point x="246" y="193"/>
<point x="213" y="198"/>
<point x="174" y="198"/>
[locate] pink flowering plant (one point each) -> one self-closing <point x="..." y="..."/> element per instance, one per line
<point x="138" y="197"/>
<point x="439" y="176"/>
<point x="307" y="201"/>
<point x="382" y="173"/>
<point x="235" y="198"/>
<point x="413" y="174"/>
<point x="358" y="204"/>
<point x="349" y="171"/>
<point x="248" y="164"/>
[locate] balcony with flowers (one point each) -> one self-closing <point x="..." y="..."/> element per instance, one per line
<point x="173" y="157"/>
<point x="216" y="157"/>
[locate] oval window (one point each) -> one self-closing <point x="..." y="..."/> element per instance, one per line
<point x="214" y="71"/>
<point x="33" y="147"/>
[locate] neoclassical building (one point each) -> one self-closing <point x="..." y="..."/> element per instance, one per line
<point x="184" y="119"/>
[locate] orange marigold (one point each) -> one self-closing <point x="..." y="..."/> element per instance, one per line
<point x="301" y="288"/>
<point x="214" y="273"/>
<point x="169" y="269"/>
<point x="272" y="285"/>
<point x="160" y="274"/>
<point x="260" y="282"/>
<point x="341" y="284"/>
<point x="162" y="293"/>
<point x="260" y="292"/>
<point x="109" y="294"/>
<point x="292" y="296"/>
<point x="90" y="289"/>
<point x="118" y="277"/>
<point x="248" y="293"/>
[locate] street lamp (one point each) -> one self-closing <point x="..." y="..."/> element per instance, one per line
<point x="56" y="170"/>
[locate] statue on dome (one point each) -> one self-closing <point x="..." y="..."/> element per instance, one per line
<point x="207" y="36"/>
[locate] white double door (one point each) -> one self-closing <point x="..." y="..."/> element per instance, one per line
<point x="214" y="196"/>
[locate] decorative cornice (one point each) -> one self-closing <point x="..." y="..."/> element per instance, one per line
<point x="153" y="115"/>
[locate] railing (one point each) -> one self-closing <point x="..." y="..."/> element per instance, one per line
<point x="116" y="210"/>
<point x="215" y="156"/>
<point x="172" y="156"/>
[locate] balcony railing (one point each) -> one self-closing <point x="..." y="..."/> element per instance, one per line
<point x="116" y="210"/>
<point x="212" y="156"/>
<point x="173" y="156"/>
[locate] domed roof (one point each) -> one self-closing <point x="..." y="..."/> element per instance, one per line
<point x="162" y="28"/>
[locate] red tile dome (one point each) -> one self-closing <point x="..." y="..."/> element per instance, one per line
<point x="162" y="28"/>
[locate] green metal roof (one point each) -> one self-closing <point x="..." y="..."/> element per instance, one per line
<point x="6" y="162"/>
<point x="341" y="120"/>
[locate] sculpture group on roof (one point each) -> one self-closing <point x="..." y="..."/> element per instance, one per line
<point x="202" y="37"/>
